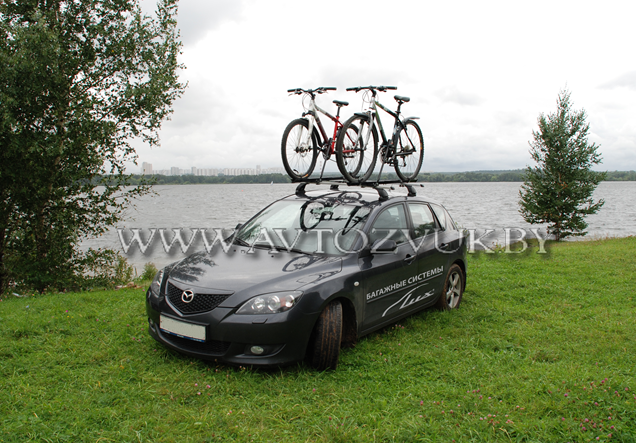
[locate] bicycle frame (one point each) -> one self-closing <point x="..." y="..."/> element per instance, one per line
<point x="314" y="120"/>
<point x="375" y="116"/>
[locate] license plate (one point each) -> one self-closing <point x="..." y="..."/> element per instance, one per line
<point x="182" y="329"/>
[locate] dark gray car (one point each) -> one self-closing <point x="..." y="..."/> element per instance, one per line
<point x="310" y="273"/>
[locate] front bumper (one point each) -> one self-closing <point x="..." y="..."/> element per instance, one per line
<point x="229" y="337"/>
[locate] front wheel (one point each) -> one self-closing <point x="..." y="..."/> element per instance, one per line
<point x="357" y="149"/>
<point x="299" y="149"/>
<point x="409" y="152"/>
<point x="451" y="297"/>
<point x="326" y="338"/>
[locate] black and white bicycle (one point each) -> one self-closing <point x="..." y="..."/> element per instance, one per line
<point x="357" y="144"/>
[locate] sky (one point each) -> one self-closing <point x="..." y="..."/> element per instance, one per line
<point x="479" y="74"/>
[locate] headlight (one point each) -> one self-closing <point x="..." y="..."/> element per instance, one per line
<point x="271" y="303"/>
<point x="155" y="286"/>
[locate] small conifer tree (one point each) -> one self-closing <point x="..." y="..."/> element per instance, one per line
<point x="558" y="190"/>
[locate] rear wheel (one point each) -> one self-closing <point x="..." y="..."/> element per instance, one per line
<point x="326" y="338"/>
<point x="451" y="297"/>
<point x="298" y="149"/>
<point x="357" y="149"/>
<point x="409" y="153"/>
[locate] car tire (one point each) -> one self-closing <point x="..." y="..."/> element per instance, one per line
<point x="326" y="338"/>
<point x="451" y="296"/>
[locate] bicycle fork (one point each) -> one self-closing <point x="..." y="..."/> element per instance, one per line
<point x="362" y="140"/>
<point x="305" y="142"/>
<point x="329" y="145"/>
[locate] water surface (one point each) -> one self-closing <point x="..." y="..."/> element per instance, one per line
<point x="478" y="206"/>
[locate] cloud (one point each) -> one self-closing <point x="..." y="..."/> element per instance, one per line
<point x="198" y="17"/>
<point x="201" y="105"/>
<point x="627" y="80"/>
<point x="348" y="76"/>
<point x="453" y="95"/>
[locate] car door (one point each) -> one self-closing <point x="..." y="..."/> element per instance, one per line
<point x="384" y="275"/>
<point x="432" y="261"/>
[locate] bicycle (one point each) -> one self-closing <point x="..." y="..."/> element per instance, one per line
<point x="301" y="141"/>
<point x="356" y="158"/>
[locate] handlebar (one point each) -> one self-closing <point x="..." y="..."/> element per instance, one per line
<point x="372" y="88"/>
<point x="320" y="90"/>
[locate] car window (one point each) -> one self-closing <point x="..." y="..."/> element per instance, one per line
<point x="329" y="227"/>
<point x="423" y="220"/>
<point x="391" y="224"/>
<point x="441" y="216"/>
<point x="444" y="217"/>
<point x="450" y="223"/>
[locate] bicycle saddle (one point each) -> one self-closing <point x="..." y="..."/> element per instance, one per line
<point x="339" y="103"/>
<point x="402" y="99"/>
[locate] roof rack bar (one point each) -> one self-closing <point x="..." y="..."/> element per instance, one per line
<point x="335" y="186"/>
<point x="342" y="181"/>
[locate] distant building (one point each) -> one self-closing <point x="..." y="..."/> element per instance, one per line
<point x="207" y="171"/>
<point x="194" y="170"/>
<point x="273" y="171"/>
<point x="146" y="168"/>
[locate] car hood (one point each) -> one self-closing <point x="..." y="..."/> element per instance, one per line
<point x="251" y="273"/>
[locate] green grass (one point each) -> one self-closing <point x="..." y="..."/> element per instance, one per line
<point x="542" y="346"/>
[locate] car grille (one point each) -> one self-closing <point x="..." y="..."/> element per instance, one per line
<point x="200" y="302"/>
<point x="211" y="347"/>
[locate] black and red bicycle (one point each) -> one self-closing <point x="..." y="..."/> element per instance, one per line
<point x="305" y="136"/>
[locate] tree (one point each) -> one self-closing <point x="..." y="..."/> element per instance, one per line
<point x="80" y="79"/>
<point x="558" y="190"/>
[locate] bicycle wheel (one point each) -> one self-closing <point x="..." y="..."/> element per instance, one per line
<point x="409" y="153"/>
<point x="298" y="150"/>
<point x="357" y="149"/>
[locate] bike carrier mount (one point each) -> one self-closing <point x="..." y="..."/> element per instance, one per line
<point x="381" y="186"/>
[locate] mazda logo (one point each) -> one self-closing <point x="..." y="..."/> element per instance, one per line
<point x="187" y="296"/>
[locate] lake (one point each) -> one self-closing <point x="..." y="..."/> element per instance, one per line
<point x="477" y="206"/>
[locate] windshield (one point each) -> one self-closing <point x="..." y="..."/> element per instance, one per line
<point x="314" y="227"/>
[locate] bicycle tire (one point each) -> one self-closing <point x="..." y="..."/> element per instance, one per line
<point x="308" y="222"/>
<point x="409" y="153"/>
<point x="299" y="161"/>
<point x="356" y="161"/>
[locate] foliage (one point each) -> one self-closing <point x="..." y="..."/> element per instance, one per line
<point x="102" y="269"/>
<point x="541" y="350"/>
<point x="558" y="190"/>
<point x="473" y="176"/>
<point x="79" y="81"/>
<point x="148" y="273"/>
<point x="469" y="176"/>
<point x="621" y="176"/>
<point x="203" y="179"/>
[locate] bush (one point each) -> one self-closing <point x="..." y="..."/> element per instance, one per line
<point x="150" y="270"/>
<point x="103" y="268"/>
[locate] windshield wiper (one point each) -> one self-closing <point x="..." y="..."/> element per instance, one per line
<point x="279" y="248"/>
<point x="241" y="242"/>
<point x="299" y="251"/>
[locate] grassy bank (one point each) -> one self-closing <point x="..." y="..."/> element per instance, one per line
<point x="542" y="349"/>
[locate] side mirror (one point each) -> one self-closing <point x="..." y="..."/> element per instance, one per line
<point x="238" y="226"/>
<point x="383" y="246"/>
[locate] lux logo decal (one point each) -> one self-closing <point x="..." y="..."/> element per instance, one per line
<point x="408" y="300"/>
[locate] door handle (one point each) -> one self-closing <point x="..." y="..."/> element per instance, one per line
<point x="409" y="259"/>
